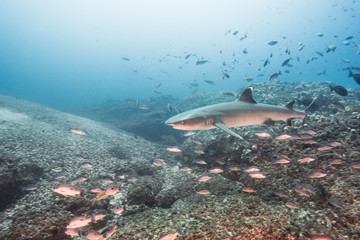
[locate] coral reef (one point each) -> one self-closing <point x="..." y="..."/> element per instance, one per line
<point x="291" y="200"/>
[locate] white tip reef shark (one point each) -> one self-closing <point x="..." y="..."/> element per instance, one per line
<point x="242" y="112"/>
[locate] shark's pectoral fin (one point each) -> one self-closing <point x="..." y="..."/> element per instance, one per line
<point x="227" y="130"/>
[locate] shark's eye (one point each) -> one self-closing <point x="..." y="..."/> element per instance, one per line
<point x="182" y="122"/>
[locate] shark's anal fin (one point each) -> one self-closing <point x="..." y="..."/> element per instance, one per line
<point x="227" y="130"/>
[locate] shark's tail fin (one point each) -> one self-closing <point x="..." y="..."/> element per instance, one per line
<point x="308" y="107"/>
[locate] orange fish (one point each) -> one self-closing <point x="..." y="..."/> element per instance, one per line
<point x="309" y="141"/>
<point x="79" y="222"/>
<point x="123" y="177"/>
<point x="158" y="162"/>
<point x="291" y="205"/>
<point x="335" y="144"/>
<point x="252" y="169"/>
<point x="102" y="195"/>
<point x="355" y="165"/>
<point x="68" y="190"/>
<point x="99" y="216"/>
<point x="216" y="170"/>
<point x="93" y="235"/>
<point x="324" y="148"/>
<point x="234" y="168"/>
<point x="171" y="236"/>
<point x="305" y="136"/>
<point x="107" y="180"/>
<point x="283" y="137"/>
<point x="306" y="160"/>
<point x="263" y="135"/>
<point x="73" y="232"/>
<point x="110" y="231"/>
<point x="80" y="179"/>
<point x="282" y="161"/>
<point x="185" y="168"/>
<point x="173" y="149"/>
<point x="204" y="192"/>
<point x="201" y="162"/>
<point x="336" y="161"/>
<point x="96" y="190"/>
<point x="86" y="165"/>
<point x="204" y="178"/>
<point x="132" y="178"/>
<point x="248" y="190"/>
<point x="78" y="131"/>
<point x="316" y="174"/>
<point x="258" y="175"/>
<point x="199" y="151"/>
<point x="119" y="210"/>
<point x="112" y="190"/>
<point x="280" y="193"/>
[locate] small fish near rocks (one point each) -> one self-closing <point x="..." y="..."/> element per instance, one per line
<point x="339" y="90"/>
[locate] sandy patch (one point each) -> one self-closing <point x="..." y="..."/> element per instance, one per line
<point x="7" y="115"/>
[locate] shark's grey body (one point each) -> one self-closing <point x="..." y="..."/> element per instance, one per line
<point x="243" y="112"/>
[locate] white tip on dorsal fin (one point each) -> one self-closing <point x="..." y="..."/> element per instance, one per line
<point x="246" y="96"/>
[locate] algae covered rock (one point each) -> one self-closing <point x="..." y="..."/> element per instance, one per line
<point x="144" y="191"/>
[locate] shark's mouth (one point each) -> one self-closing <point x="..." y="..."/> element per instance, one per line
<point x="175" y="125"/>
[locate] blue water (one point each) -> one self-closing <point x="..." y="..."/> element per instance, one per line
<point x="68" y="53"/>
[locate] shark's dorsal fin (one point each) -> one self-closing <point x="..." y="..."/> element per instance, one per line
<point x="290" y="105"/>
<point x="246" y="96"/>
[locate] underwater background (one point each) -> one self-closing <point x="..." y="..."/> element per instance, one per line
<point x="87" y="86"/>
<point x="66" y="53"/>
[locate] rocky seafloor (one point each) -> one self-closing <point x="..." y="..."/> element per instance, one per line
<point x="37" y="147"/>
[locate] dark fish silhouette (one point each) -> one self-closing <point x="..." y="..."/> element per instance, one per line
<point x="306" y="101"/>
<point x="275" y="76"/>
<point x="352" y="68"/>
<point x="271" y="43"/>
<point x="339" y="90"/>
<point x="286" y="62"/>
<point x="209" y="82"/>
<point x="356" y="77"/>
<point x="338" y="105"/>
<point x="225" y="74"/>
<point x="266" y="62"/>
<point x="200" y="62"/>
